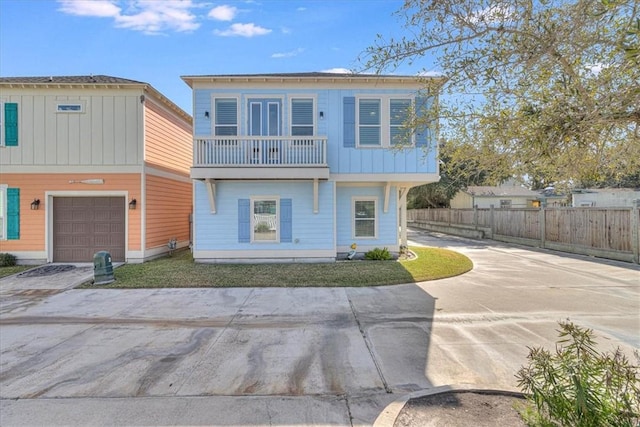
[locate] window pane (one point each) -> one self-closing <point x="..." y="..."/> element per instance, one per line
<point x="302" y="131"/>
<point x="365" y="228"/>
<point x="399" y="111"/>
<point x="369" y="136"/>
<point x="369" y="112"/>
<point x="302" y="112"/>
<point x="226" y="117"/>
<point x="226" y="112"/>
<point x="256" y="122"/>
<point x="274" y="119"/>
<point x="365" y="209"/>
<point x="265" y="220"/>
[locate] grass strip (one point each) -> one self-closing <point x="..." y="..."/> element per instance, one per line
<point x="180" y="271"/>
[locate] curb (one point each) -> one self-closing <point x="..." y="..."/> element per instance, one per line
<point x="388" y="416"/>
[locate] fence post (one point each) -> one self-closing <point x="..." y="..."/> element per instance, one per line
<point x="475" y="217"/>
<point x="491" y="221"/>
<point x="543" y="227"/>
<point x="635" y="234"/>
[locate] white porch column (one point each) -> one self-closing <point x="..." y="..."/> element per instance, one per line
<point x="403" y="216"/>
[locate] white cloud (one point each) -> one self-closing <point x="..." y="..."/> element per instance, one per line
<point x="243" y="30"/>
<point x="290" y="54"/>
<point x="147" y="16"/>
<point x="492" y="15"/>
<point x="338" y="71"/>
<point x="97" y="8"/>
<point x="223" y="13"/>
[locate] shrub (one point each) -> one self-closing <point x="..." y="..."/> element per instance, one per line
<point x="577" y="386"/>
<point x="7" y="260"/>
<point x="378" y="254"/>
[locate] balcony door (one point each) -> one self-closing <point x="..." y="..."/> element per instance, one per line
<point x="265" y="119"/>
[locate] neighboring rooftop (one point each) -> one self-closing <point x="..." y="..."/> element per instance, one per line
<point x="97" y="79"/>
<point x="504" y="190"/>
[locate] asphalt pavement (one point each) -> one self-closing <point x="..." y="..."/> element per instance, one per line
<point x="295" y="357"/>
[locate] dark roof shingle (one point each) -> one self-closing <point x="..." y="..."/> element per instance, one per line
<point x="90" y="79"/>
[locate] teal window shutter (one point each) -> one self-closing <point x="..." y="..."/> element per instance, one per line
<point x="11" y="124"/>
<point x="244" y="220"/>
<point x="13" y="213"/>
<point x="349" y="121"/>
<point x="286" y="221"/>
<point x="423" y="134"/>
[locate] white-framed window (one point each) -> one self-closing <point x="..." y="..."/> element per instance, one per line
<point x="381" y="121"/>
<point x="225" y="116"/>
<point x="302" y="117"/>
<point x="505" y="203"/>
<point x="3" y="211"/>
<point x="70" y="107"/>
<point x="265" y="219"/>
<point x="365" y="220"/>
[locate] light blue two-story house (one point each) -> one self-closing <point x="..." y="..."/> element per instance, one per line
<point x="298" y="167"/>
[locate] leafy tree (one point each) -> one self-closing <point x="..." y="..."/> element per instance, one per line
<point x="548" y="89"/>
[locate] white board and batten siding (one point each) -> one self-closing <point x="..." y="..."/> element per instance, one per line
<point x="107" y="131"/>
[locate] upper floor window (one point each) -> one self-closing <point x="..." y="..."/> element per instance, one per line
<point x="381" y="121"/>
<point x="69" y="108"/>
<point x="302" y="117"/>
<point x="226" y="116"/>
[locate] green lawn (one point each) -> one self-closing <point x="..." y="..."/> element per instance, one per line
<point x="181" y="271"/>
<point x="8" y="271"/>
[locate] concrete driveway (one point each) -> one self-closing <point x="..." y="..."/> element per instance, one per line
<point x="296" y="357"/>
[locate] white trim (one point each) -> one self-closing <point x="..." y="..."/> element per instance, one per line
<point x="314" y="107"/>
<point x="413" y="178"/>
<point x="70" y="169"/>
<point x="2" y="124"/>
<point x="3" y="211"/>
<point x="315" y="196"/>
<point x="261" y="172"/>
<point x="30" y="257"/>
<point x="50" y="195"/>
<point x="82" y="104"/>
<point x="242" y="254"/>
<point x="253" y="199"/>
<point x="355" y="199"/>
<point x="385" y="118"/>
<point x="212" y="111"/>
<point x="211" y="191"/>
<point x="165" y="174"/>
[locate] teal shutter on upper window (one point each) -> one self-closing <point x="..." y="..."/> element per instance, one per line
<point x="244" y="220"/>
<point x="286" y="221"/>
<point x="349" y="121"/>
<point x="13" y="213"/>
<point x="423" y="133"/>
<point x="11" y="124"/>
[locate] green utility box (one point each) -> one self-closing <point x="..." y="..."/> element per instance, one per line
<point x="102" y="268"/>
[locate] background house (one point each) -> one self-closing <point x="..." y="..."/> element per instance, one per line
<point x="606" y="197"/>
<point x="91" y="163"/>
<point x="508" y="195"/>
<point x="301" y="166"/>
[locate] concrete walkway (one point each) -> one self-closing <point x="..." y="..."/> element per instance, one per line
<point x="296" y="357"/>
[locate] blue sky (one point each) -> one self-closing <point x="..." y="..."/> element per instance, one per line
<point x="157" y="41"/>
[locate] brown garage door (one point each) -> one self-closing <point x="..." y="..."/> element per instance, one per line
<point x="83" y="226"/>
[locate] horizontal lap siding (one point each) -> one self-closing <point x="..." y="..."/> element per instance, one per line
<point x="387" y="222"/>
<point x="34" y="186"/>
<point x="168" y="142"/>
<point x="219" y="231"/>
<point x="168" y="206"/>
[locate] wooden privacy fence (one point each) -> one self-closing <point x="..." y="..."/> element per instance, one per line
<point x="603" y="232"/>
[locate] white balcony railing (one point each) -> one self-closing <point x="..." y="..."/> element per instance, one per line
<point x="258" y="151"/>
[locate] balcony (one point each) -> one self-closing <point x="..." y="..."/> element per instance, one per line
<point x="260" y="157"/>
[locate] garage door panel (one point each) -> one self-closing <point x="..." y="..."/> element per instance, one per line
<point x="83" y="226"/>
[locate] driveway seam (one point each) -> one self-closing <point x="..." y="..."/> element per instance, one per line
<point x="368" y="345"/>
